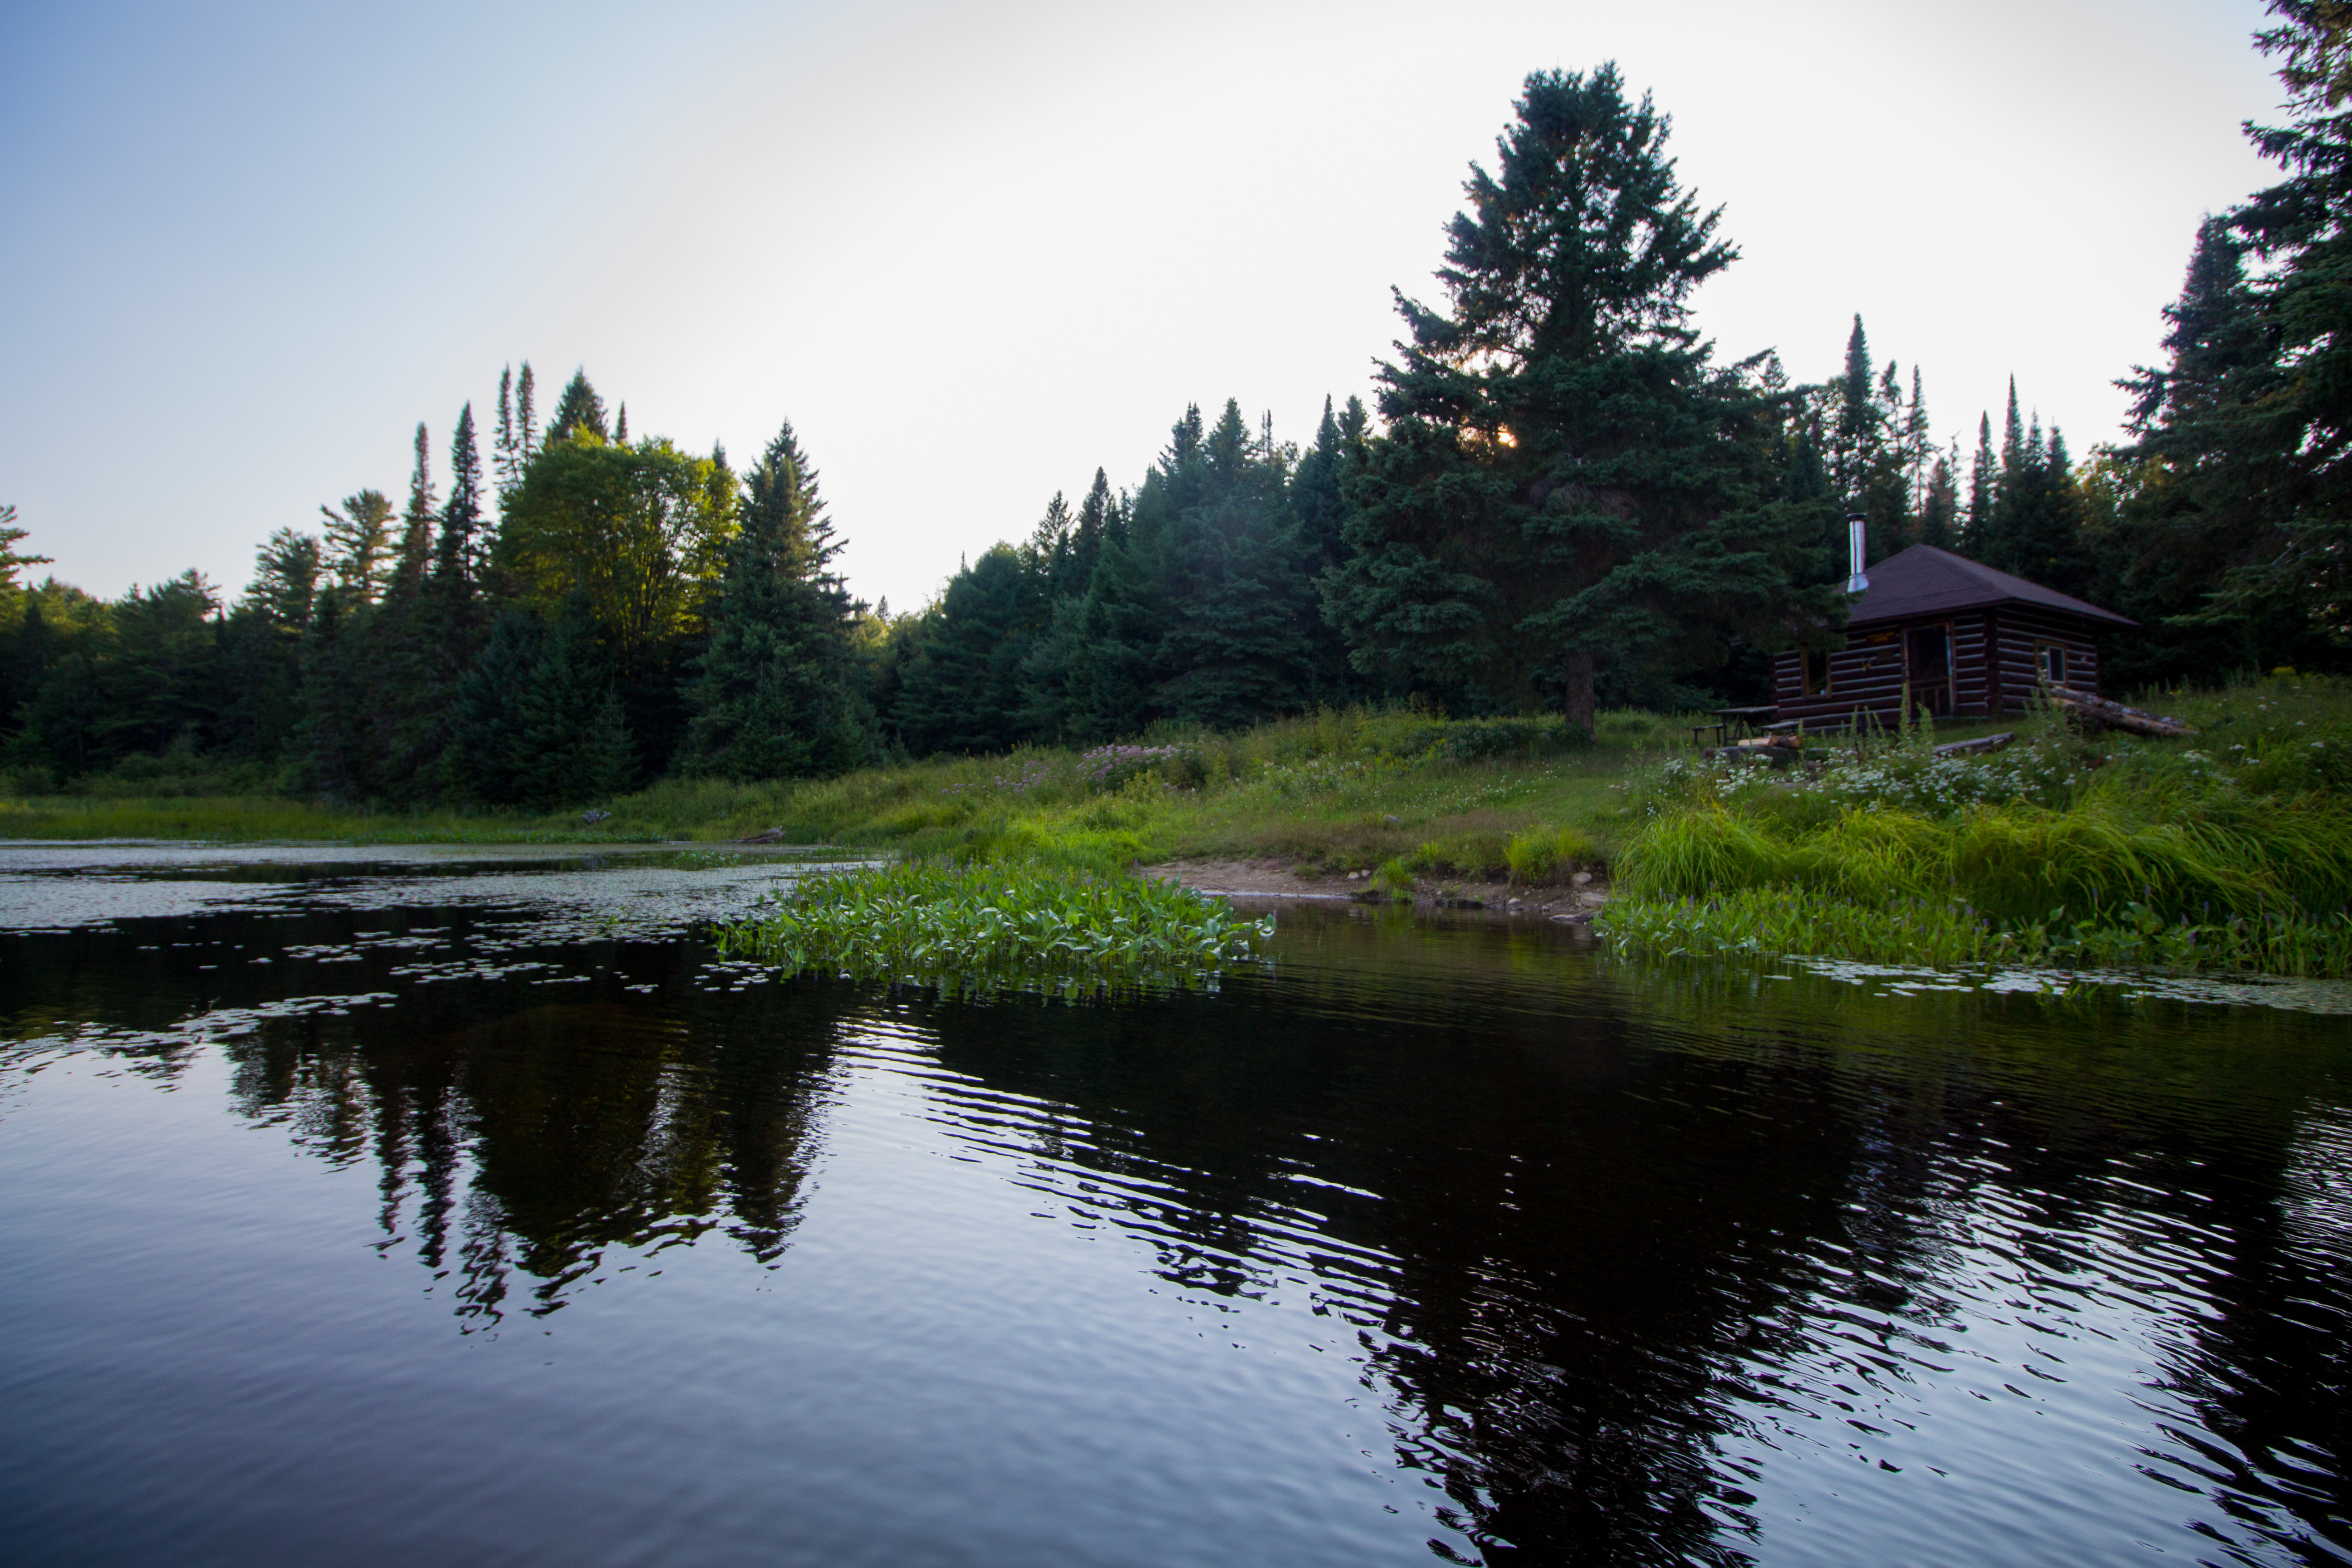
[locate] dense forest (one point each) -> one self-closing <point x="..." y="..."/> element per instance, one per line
<point x="1562" y="498"/>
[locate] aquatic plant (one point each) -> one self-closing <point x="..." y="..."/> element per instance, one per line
<point x="1009" y="925"/>
<point x="1775" y="922"/>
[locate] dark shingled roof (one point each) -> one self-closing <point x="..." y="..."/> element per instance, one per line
<point x="1924" y="581"/>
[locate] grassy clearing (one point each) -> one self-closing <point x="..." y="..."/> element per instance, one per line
<point x="2234" y="851"/>
<point x="1332" y="791"/>
<point x="980" y="929"/>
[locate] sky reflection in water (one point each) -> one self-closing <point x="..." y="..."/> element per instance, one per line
<point x="532" y="1233"/>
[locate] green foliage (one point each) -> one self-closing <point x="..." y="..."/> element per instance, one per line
<point x="1015" y="925"/>
<point x="2235" y="850"/>
<point x="1566" y="478"/>
<point x="1545" y="854"/>
<point x="1769" y="921"/>
<point x="639" y="530"/>
<point x="774" y="693"/>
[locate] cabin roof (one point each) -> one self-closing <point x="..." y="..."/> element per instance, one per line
<point x="1924" y="581"/>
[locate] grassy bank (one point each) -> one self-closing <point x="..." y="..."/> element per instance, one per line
<point x="2231" y="850"/>
<point x="1334" y="791"/>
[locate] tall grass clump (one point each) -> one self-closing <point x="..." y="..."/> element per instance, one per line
<point x="976" y="929"/>
<point x="2065" y="848"/>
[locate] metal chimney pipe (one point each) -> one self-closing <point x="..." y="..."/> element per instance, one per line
<point x="1854" y="524"/>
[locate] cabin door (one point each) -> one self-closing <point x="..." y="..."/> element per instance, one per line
<point x="1928" y="666"/>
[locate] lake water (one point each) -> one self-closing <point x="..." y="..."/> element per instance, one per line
<point x="459" y="1206"/>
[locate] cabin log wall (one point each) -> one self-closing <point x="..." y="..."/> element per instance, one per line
<point x="1993" y="665"/>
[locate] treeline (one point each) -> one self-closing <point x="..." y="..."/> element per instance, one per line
<point x="1566" y="500"/>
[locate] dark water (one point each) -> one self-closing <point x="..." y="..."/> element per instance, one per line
<point x="488" y="1221"/>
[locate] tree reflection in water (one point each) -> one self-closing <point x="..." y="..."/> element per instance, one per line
<point x="1620" y="1247"/>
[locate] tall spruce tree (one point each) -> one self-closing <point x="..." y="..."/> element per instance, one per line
<point x="416" y="552"/>
<point x="578" y="409"/>
<point x="1566" y="476"/>
<point x="2197" y="514"/>
<point x="489" y="750"/>
<point x="2296" y="432"/>
<point x="1984" y="475"/>
<point x="774" y="692"/>
<point x="575" y="742"/>
<point x="1235" y="646"/>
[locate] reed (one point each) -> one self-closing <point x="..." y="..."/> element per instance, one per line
<point x="1775" y="922"/>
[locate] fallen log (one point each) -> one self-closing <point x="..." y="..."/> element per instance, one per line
<point x="2097" y="713"/>
<point x="1972" y="748"/>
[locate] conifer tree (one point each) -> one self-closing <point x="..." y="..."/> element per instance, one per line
<point x="526" y="433"/>
<point x="12" y="560"/>
<point x="359" y="542"/>
<point x="2199" y="515"/>
<point x="774" y="693"/>
<point x="1984" y="476"/>
<point x="1234" y="649"/>
<point x="578" y="409"/>
<point x="510" y="447"/>
<point x="2297" y="433"/>
<point x="1940" y="508"/>
<point x="1566" y="475"/>
<point x="1093" y="527"/>
<point x="456" y="561"/>
<point x="417" y="522"/>
<point x="576" y="743"/>
<point x="487" y="726"/>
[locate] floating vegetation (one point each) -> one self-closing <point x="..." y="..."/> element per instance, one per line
<point x="977" y="930"/>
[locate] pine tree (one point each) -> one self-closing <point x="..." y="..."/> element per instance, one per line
<point x="962" y="692"/>
<point x="506" y="452"/>
<point x="487" y="726"/>
<point x="774" y="693"/>
<point x="1112" y="666"/>
<point x="2196" y="516"/>
<point x="1319" y="511"/>
<point x="12" y="560"/>
<point x="1093" y="527"/>
<point x="579" y="409"/>
<point x="576" y="745"/>
<point x="1234" y="649"/>
<point x="456" y="563"/>
<point x="621" y="427"/>
<point x="1984" y="476"/>
<point x="526" y="433"/>
<point x="2296" y="434"/>
<point x="359" y="542"/>
<point x="1939" y="507"/>
<point x="1566" y="476"/>
<point x="417" y="522"/>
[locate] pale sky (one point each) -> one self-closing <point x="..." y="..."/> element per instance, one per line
<point x="973" y="251"/>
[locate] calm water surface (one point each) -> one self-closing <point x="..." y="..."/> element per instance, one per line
<point x="425" y="1208"/>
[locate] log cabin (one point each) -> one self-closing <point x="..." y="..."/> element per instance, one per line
<point x="1964" y="640"/>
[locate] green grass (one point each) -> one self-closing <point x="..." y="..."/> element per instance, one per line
<point x="1005" y="925"/>
<point x="2214" y="853"/>
<point x="1331" y="791"/>
<point x="2231" y="849"/>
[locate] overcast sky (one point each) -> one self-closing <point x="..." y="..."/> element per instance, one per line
<point x="973" y="251"/>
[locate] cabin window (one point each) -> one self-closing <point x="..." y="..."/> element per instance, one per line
<point x="2050" y="661"/>
<point x="1817" y="673"/>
